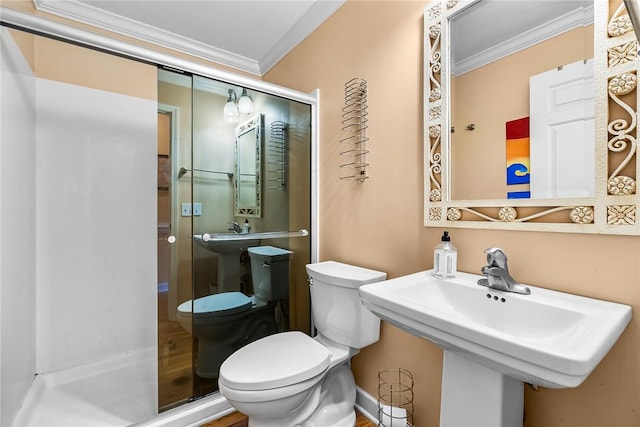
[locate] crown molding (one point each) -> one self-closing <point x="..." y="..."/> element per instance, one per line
<point x="315" y="16"/>
<point x="527" y="39"/>
<point x="86" y="14"/>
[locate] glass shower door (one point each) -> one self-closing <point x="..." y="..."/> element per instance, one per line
<point x="254" y="167"/>
<point x="175" y="230"/>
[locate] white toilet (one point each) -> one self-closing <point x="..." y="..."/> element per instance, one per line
<point x="289" y="379"/>
<point x="270" y="273"/>
<point x="224" y="322"/>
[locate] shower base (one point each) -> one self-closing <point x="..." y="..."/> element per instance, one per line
<point x="117" y="391"/>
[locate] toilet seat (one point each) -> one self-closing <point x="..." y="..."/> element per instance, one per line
<point x="222" y="304"/>
<point x="286" y="359"/>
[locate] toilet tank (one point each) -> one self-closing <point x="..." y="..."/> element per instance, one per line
<point x="270" y="272"/>
<point x="337" y="310"/>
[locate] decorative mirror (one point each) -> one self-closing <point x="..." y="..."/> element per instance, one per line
<point x="247" y="180"/>
<point x="503" y="152"/>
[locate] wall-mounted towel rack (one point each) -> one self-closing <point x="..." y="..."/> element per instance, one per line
<point x="354" y="125"/>
<point x="208" y="237"/>
<point x="277" y="166"/>
<point x="183" y="171"/>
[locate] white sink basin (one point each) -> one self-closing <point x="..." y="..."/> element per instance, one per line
<point x="223" y="243"/>
<point x="548" y="338"/>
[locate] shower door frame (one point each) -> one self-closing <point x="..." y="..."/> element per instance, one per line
<point x="75" y="35"/>
<point x="42" y="26"/>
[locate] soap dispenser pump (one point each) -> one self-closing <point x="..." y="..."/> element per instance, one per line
<point x="445" y="258"/>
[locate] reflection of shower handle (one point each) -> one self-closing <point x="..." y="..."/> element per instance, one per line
<point x="266" y="265"/>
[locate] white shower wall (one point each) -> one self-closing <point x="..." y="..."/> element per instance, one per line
<point x="96" y="224"/>
<point x="17" y="227"/>
<point x="78" y="171"/>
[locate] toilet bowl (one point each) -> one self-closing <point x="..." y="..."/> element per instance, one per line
<point x="224" y="322"/>
<point x="291" y="379"/>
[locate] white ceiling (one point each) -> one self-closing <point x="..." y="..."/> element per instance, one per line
<point x="249" y="35"/>
<point x="253" y="35"/>
<point x="491" y="29"/>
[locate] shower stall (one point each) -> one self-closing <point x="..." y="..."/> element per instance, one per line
<point x="112" y="170"/>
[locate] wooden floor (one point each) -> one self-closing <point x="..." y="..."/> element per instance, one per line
<point x="237" y="419"/>
<point x="175" y="374"/>
<point x="177" y="381"/>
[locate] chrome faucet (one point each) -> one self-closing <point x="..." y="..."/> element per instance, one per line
<point x="235" y="227"/>
<point x="497" y="273"/>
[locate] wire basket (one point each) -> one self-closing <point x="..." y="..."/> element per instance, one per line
<point x="395" y="398"/>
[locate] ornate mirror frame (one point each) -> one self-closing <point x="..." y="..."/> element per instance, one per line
<point x="254" y="124"/>
<point x="613" y="209"/>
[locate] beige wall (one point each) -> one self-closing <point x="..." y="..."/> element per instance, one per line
<point x="378" y="223"/>
<point x="54" y="60"/>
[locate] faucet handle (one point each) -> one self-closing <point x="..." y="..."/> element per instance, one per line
<point x="496" y="258"/>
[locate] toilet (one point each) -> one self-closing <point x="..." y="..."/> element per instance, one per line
<point x="226" y="321"/>
<point x="269" y="273"/>
<point x="270" y="277"/>
<point x="291" y="379"/>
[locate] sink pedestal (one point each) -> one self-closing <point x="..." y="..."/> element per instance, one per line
<point x="474" y="395"/>
<point x="229" y="271"/>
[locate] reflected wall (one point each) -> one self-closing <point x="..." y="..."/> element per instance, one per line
<point x="489" y="97"/>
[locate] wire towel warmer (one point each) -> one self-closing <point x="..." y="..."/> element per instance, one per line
<point x="277" y="168"/>
<point x="354" y="125"/>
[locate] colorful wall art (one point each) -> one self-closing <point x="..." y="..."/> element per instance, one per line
<point x="518" y="164"/>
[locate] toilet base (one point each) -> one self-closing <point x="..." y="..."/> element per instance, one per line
<point x="331" y="403"/>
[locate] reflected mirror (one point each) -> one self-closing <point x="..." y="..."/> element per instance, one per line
<point x="530" y="125"/>
<point x="247" y="167"/>
<point x="522" y="96"/>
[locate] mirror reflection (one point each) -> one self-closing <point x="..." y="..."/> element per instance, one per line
<point x="247" y="167"/>
<point x="212" y="185"/>
<point x="522" y="100"/>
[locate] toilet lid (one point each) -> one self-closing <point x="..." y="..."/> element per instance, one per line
<point x="269" y="253"/>
<point x="218" y="304"/>
<point x="275" y="361"/>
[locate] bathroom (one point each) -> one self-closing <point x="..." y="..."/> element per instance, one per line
<point x="379" y="223"/>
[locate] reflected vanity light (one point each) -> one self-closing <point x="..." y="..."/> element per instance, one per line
<point x="231" y="112"/>
<point x="245" y="105"/>
<point x="234" y="106"/>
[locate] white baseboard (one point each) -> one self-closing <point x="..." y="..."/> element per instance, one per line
<point x="367" y="405"/>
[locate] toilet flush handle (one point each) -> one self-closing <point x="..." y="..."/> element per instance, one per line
<point x="266" y="265"/>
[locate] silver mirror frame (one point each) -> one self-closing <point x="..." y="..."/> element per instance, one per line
<point x="613" y="209"/>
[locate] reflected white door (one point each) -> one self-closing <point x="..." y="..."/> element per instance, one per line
<point x="562" y="132"/>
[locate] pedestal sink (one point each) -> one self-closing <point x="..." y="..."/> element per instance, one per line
<point x="228" y="247"/>
<point x="494" y="341"/>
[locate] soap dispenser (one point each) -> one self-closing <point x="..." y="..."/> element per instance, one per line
<point x="445" y="258"/>
<point x="246" y="227"/>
